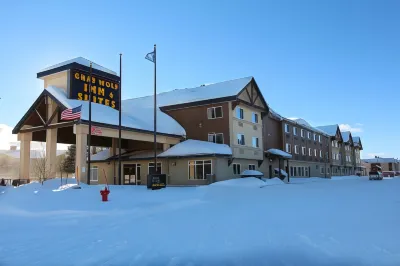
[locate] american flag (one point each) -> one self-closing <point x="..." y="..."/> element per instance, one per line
<point x="71" y="113"/>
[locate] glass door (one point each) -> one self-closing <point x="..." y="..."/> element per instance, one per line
<point x="132" y="174"/>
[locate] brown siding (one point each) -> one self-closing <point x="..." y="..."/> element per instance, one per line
<point x="197" y="125"/>
<point x="272" y="133"/>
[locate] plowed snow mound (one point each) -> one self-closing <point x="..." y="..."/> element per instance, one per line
<point x="241" y="182"/>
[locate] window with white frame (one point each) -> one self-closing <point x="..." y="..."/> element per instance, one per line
<point x="151" y="168"/>
<point x="255" y="142"/>
<point x="295" y="131"/>
<point x="252" y="167"/>
<point x="333" y="143"/>
<point x="336" y="143"/>
<point x="254" y="118"/>
<point x="94" y="174"/>
<point x="328" y="170"/>
<point x="333" y="156"/>
<point x="296" y="149"/>
<point x="309" y="134"/>
<point x="236" y="169"/>
<point x="327" y="155"/>
<point x="303" y="150"/>
<point x="315" y="152"/>
<point x="309" y="152"/>
<point x="319" y="138"/>
<point x="239" y="113"/>
<point x="288" y="148"/>
<point x="199" y="169"/>
<point x="302" y="133"/>
<point x="216" y="137"/>
<point x="287" y="128"/>
<point x="240" y="139"/>
<point x="214" y="112"/>
<point x="315" y="137"/>
<point x="320" y="153"/>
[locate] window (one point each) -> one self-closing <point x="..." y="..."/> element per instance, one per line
<point x="309" y="135"/>
<point x="94" y="174"/>
<point x="333" y="143"/>
<point x="216" y="138"/>
<point x="309" y="152"/>
<point x="315" y="137"/>
<point x="319" y="138"/>
<point x="151" y="168"/>
<point x="199" y="169"/>
<point x="254" y="118"/>
<point x="320" y="153"/>
<point x="333" y="156"/>
<point x="239" y="113"/>
<point x="336" y="144"/>
<point x="302" y="133"/>
<point x="296" y="149"/>
<point x="322" y="170"/>
<point x="315" y="152"/>
<point x="295" y="131"/>
<point x="252" y="167"/>
<point x="303" y="150"/>
<point x="291" y="171"/>
<point x="327" y="155"/>
<point x="240" y="139"/>
<point x="288" y="148"/>
<point x="214" y="112"/>
<point x="255" y="142"/>
<point x="236" y="169"/>
<point x="328" y="170"/>
<point x="287" y="128"/>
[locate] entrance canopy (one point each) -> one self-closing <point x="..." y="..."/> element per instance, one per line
<point x="278" y="153"/>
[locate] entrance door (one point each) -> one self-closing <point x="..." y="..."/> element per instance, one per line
<point x="132" y="174"/>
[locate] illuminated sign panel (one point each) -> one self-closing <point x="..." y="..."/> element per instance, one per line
<point x="105" y="91"/>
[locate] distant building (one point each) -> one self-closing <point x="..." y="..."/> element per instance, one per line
<point x="387" y="164"/>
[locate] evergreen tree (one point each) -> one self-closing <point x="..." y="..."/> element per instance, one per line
<point x="69" y="161"/>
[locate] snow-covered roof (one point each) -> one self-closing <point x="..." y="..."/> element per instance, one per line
<point x="135" y="114"/>
<point x="301" y="121"/>
<point x="275" y="114"/>
<point x="329" y="129"/>
<point x="251" y="173"/>
<point x="101" y="155"/>
<point x="192" y="147"/>
<point x="346" y="136"/>
<point x="356" y="140"/>
<point x="381" y="160"/>
<point x="205" y="92"/>
<point x="82" y="61"/>
<point x="278" y="152"/>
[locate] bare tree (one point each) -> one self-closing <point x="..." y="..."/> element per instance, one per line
<point x="40" y="168"/>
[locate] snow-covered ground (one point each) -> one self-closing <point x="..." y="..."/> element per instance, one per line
<point x="343" y="221"/>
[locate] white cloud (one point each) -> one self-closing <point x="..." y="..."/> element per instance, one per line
<point x="7" y="139"/>
<point x="347" y="127"/>
<point x="359" y="124"/>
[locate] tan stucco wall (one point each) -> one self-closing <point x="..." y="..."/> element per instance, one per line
<point x="247" y="151"/>
<point x="179" y="171"/>
<point x="59" y="80"/>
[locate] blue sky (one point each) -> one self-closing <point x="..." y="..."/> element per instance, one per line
<point x="324" y="61"/>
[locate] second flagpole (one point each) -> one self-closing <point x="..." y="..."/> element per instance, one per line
<point x="155" y="110"/>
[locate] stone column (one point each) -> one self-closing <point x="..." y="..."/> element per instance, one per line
<point x="51" y="141"/>
<point x="25" y="154"/>
<point x="81" y="170"/>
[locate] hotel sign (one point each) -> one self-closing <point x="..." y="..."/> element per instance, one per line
<point x="105" y="91"/>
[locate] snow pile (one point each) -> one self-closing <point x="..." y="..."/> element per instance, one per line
<point x="67" y="186"/>
<point x="343" y="223"/>
<point x="241" y="182"/>
<point x="273" y="181"/>
<point x="301" y="180"/>
<point x="283" y="172"/>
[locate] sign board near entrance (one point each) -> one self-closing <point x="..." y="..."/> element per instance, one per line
<point x="156" y="181"/>
<point x="96" y="131"/>
<point x="105" y="91"/>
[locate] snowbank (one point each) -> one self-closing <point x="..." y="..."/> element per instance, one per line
<point x="273" y="181"/>
<point x="241" y="182"/>
<point x="253" y="173"/>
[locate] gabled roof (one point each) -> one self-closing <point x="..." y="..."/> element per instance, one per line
<point x="332" y="130"/>
<point x="134" y="116"/>
<point x="81" y="61"/>
<point x="347" y="138"/>
<point x="357" y="142"/>
<point x="192" y="147"/>
<point x="216" y="92"/>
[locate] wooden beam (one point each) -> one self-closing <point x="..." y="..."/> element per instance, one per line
<point x="252" y="89"/>
<point x="52" y="116"/>
<point x="248" y="94"/>
<point x="41" y="118"/>
<point x="255" y="99"/>
<point x="44" y="127"/>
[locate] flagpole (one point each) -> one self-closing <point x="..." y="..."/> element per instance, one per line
<point x="119" y="119"/>
<point x="155" y="110"/>
<point x="90" y="123"/>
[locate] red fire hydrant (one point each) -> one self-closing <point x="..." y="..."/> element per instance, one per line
<point x="104" y="194"/>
